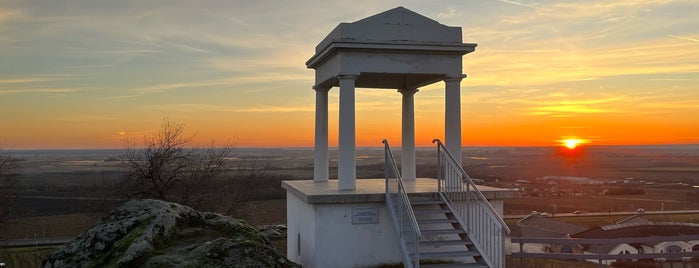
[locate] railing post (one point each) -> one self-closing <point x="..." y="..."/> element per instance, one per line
<point x="521" y="258"/>
<point x="439" y="169"/>
<point x="468" y="203"/>
<point x="417" y="252"/>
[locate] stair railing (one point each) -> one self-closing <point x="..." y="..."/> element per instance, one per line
<point x="404" y="222"/>
<point x="484" y="225"/>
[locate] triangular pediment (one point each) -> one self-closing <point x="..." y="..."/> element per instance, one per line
<point x="397" y="25"/>
<point x="399" y="16"/>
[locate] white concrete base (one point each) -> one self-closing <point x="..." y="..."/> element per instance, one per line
<point x="322" y="235"/>
<point x="320" y="228"/>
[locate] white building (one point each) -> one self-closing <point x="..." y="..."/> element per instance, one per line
<point x="357" y="223"/>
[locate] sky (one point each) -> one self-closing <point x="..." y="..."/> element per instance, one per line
<point x="92" y="74"/>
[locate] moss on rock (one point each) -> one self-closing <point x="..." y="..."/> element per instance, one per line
<point x="153" y="233"/>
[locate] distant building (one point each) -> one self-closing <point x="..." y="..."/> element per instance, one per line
<point x="537" y="226"/>
<point x="637" y="226"/>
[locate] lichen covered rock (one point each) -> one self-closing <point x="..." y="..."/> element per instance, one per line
<point x="153" y="233"/>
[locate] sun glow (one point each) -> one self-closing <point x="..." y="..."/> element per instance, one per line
<point x="571" y="143"/>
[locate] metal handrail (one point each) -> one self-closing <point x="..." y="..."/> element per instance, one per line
<point x="483" y="223"/>
<point x="404" y="222"/>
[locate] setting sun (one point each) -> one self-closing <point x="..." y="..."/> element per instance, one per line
<point x="571" y="143"/>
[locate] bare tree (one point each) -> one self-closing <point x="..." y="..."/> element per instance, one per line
<point x="241" y="185"/>
<point x="167" y="168"/>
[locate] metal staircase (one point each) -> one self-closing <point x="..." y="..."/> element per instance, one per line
<point x="443" y="237"/>
<point x="454" y="227"/>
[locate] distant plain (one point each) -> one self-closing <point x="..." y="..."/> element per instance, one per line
<point x="56" y="184"/>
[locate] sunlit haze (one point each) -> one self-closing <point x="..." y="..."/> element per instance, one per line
<point x="89" y="74"/>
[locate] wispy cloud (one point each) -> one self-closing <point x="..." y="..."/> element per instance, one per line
<point x="21" y="80"/>
<point x="449" y="13"/>
<point x="517" y="3"/>
<point x="36" y="79"/>
<point x="684" y="38"/>
<point x="84" y="118"/>
<point x="577" y="65"/>
<point x="567" y="110"/>
<point x="209" y="108"/>
<point x="38" y="90"/>
<point x="277" y="109"/>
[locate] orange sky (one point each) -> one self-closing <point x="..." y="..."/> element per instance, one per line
<point x="90" y="76"/>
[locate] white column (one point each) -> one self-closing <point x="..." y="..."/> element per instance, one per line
<point x="408" y="133"/>
<point x="346" y="162"/>
<point x="320" y="162"/>
<point x="452" y="117"/>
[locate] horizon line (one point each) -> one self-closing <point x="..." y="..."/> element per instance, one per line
<point x="365" y="147"/>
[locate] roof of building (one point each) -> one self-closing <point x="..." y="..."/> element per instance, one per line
<point x="397" y="25"/>
<point x="541" y="226"/>
<point x="640" y="229"/>
<point x="634" y="219"/>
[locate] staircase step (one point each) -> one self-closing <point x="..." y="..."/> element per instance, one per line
<point x="431" y="211"/>
<point x="436" y="221"/>
<point x="447" y="254"/>
<point x="454" y="265"/>
<point x="442" y="231"/>
<point x="426" y="202"/>
<point x="438" y="243"/>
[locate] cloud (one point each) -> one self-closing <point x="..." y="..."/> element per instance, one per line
<point x="654" y="57"/>
<point x="278" y="109"/>
<point x="567" y="110"/>
<point x="21" y="80"/>
<point x="36" y="79"/>
<point x="211" y="108"/>
<point x="449" y="13"/>
<point x="516" y="3"/>
<point x="84" y="118"/>
<point x="234" y="82"/>
<point x="38" y="90"/>
<point x="684" y="38"/>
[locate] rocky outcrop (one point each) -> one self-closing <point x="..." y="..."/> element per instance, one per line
<point x="153" y="233"/>
<point x="273" y="232"/>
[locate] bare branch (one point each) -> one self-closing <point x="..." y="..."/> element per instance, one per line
<point x="168" y="167"/>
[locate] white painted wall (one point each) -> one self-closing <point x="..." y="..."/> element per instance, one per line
<point x="329" y="239"/>
<point x="300" y="223"/>
<point x="343" y="244"/>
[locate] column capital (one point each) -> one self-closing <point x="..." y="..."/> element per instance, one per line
<point x="410" y="91"/>
<point x="321" y="88"/>
<point x="454" y="78"/>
